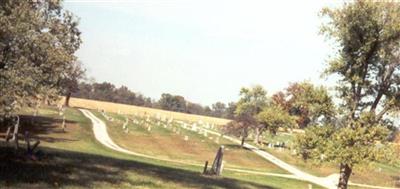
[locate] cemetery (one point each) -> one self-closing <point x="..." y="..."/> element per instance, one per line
<point x="180" y="140"/>
<point x="192" y="142"/>
<point x="199" y="94"/>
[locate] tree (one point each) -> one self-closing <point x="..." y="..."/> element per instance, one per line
<point x="273" y="117"/>
<point x="230" y="110"/>
<point x="240" y="127"/>
<point x="307" y="102"/>
<point x="367" y="34"/>
<point x="218" y="109"/>
<point x="71" y="81"/>
<point x="172" y="102"/>
<point x="193" y="108"/>
<point x="251" y="103"/>
<point x="38" y="40"/>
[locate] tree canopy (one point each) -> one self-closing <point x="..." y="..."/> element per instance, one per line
<point x="309" y="103"/>
<point x="367" y="34"/>
<point x="38" y="40"/>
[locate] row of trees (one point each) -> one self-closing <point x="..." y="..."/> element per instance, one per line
<point x="367" y="62"/>
<point x="108" y="92"/>
<point x="300" y="105"/>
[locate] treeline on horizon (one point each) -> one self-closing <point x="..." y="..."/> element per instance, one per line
<point x="106" y="91"/>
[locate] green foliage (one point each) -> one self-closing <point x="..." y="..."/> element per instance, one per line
<point x="308" y="102"/>
<point x="172" y="102"/>
<point x="252" y="101"/>
<point x="37" y="43"/>
<point x="351" y="146"/>
<point x="367" y="34"/>
<point x="273" y="117"/>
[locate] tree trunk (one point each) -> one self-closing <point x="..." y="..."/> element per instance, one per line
<point x="67" y="97"/>
<point x="243" y="139"/>
<point x="257" y="135"/>
<point x="345" y="172"/>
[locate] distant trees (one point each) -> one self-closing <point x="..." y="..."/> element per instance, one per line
<point x="106" y="91"/>
<point x="367" y="35"/>
<point x="172" y="102"/>
<point x="38" y="40"/>
<point x="218" y="109"/>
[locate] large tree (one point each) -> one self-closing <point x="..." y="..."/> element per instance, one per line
<point x="38" y="40"/>
<point x="367" y="35"/>
<point x="309" y="103"/>
<point x="251" y="103"/>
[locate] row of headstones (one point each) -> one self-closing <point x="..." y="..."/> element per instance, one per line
<point x="198" y="130"/>
<point x="108" y="118"/>
<point x="168" y="123"/>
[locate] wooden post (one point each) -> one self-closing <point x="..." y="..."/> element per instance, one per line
<point x="205" y="168"/>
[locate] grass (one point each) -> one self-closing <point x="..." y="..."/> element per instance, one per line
<point x="73" y="159"/>
<point x="130" y="109"/>
<point x="164" y="143"/>
<point x="375" y="174"/>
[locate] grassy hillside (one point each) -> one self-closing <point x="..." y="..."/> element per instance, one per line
<point x="130" y="109"/>
<point x="161" y="141"/>
<point x="73" y="159"/>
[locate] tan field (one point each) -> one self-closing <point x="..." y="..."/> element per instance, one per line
<point x="130" y="109"/>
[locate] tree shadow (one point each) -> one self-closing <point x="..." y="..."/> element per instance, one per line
<point x="396" y="180"/>
<point x="60" y="168"/>
<point x="39" y="127"/>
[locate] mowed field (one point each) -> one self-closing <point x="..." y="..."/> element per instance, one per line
<point x="74" y="159"/>
<point x="137" y="110"/>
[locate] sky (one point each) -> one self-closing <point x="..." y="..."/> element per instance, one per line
<point x="203" y="50"/>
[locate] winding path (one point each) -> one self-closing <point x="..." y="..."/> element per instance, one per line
<point x="101" y="134"/>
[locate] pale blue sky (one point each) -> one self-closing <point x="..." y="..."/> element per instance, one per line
<point x="204" y="50"/>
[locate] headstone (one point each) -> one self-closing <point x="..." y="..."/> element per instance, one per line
<point x="217" y="165"/>
<point x="63" y="124"/>
<point x="186" y="138"/>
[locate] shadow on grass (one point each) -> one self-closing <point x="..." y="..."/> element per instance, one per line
<point x="61" y="168"/>
<point x="40" y="125"/>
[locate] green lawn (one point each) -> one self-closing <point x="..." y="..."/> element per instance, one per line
<point x="376" y="174"/>
<point x="75" y="160"/>
<point x="163" y="143"/>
